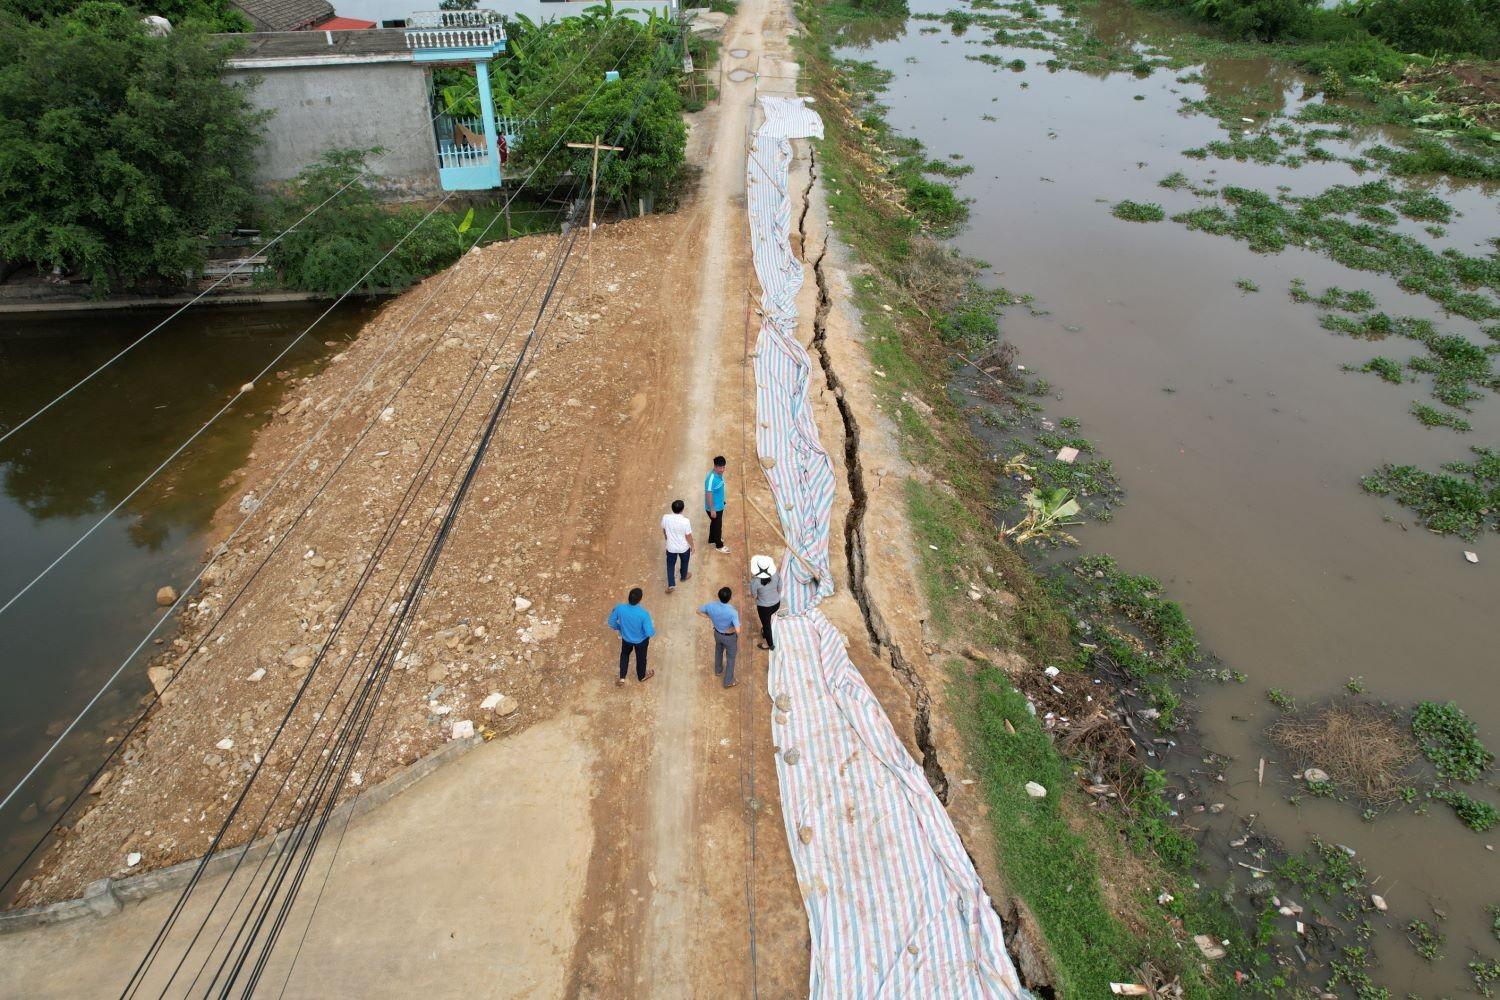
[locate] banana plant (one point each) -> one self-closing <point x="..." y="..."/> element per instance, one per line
<point x="1047" y="512"/>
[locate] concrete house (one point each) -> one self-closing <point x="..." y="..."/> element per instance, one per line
<point x="357" y="89"/>
<point x="360" y="89"/>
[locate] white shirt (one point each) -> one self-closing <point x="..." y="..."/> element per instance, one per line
<point x="677" y="527"/>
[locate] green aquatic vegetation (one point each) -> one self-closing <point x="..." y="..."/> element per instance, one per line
<point x="1462" y="500"/>
<point x="945" y="168"/>
<point x="1457" y="366"/>
<point x="1139" y="599"/>
<point x="1175" y="181"/>
<point x="1281" y="700"/>
<point x="1431" y="417"/>
<point x="1387" y="368"/>
<point x="1333" y="297"/>
<point x="1246" y="285"/>
<point x="1426" y="939"/>
<point x="1374" y="326"/>
<point x="1262" y="148"/>
<point x="1423" y="207"/>
<point x="1484" y="975"/>
<point x="1450" y="740"/>
<point x="1324" y="870"/>
<point x="1137" y="211"/>
<point x="1377" y="214"/>
<point x="1428" y="156"/>
<point x="1270" y="225"/>
<point x="1475" y="814"/>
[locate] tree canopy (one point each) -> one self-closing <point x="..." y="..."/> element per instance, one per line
<point x="119" y="151"/>
<point x="554" y="80"/>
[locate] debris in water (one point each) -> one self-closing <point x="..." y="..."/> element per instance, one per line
<point x="1473" y="557"/>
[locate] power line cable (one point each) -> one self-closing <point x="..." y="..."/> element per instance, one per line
<point x="326" y="648"/>
<point x="170" y="610"/>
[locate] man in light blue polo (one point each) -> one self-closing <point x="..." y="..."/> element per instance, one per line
<point x="726" y="622"/>
<point x="713" y="503"/>
<point x="633" y="623"/>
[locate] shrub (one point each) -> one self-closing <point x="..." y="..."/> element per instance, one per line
<point x="332" y="251"/>
<point x="1436" y="27"/>
<point x="1359" y="56"/>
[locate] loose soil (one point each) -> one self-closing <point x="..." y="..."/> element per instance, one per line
<point x="640" y="377"/>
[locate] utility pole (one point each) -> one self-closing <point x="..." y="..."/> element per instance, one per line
<point x="596" y="146"/>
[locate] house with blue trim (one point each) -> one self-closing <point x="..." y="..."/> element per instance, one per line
<point x="364" y="89"/>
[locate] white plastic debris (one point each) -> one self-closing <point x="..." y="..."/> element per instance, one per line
<point x="225" y="744"/>
<point x="463" y="729"/>
<point x="258" y="674"/>
<point x="1035" y="790"/>
<point x="1067" y="454"/>
<point x="1473" y="557"/>
<point x="132" y="859"/>
<point x="1051" y="671"/>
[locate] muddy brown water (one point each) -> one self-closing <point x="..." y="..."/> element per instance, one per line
<point x="1239" y="440"/>
<point x="58" y="476"/>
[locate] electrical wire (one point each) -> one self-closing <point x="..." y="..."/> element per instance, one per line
<point x="291" y="464"/>
<point x="509" y="387"/>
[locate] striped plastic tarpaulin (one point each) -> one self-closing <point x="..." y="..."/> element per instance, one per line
<point x="894" y="906"/>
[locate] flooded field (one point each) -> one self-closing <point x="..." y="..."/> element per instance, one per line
<point x="1232" y="423"/>
<point x="64" y="472"/>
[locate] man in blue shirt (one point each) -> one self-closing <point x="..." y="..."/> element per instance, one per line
<point x="633" y="622"/>
<point x="713" y="503"/>
<point x="726" y="622"/>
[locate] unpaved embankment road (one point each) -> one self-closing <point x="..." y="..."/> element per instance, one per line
<point x="604" y="848"/>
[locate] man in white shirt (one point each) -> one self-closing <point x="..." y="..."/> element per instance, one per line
<point x="678" y="531"/>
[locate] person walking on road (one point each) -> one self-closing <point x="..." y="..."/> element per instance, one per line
<point x="633" y="623"/>
<point x="726" y="623"/>
<point x="765" y="588"/>
<point x="713" y="503"/>
<point x="678" y="531"/>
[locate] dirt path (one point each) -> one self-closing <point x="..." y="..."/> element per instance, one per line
<point x="681" y="885"/>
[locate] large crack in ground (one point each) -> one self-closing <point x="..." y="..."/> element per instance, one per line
<point x="854" y="534"/>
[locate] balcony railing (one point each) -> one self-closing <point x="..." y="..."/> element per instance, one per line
<point x="454" y="29"/>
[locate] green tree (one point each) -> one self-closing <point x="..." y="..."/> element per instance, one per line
<point x="331" y="251"/>
<point x="641" y="112"/>
<point x="119" y="151"/>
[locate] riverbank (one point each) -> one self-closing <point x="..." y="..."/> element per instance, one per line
<point x="1230" y="418"/>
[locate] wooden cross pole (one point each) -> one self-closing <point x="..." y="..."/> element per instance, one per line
<point x="596" y="146"/>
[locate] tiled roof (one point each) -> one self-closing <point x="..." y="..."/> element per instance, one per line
<point x="284" y="15"/>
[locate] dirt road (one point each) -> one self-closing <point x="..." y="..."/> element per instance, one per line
<point x="679" y="884"/>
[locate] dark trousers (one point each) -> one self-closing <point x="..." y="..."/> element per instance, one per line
<point x="640" y="657"/>
<point x="676" y="560"/>
<point x="765" y="622"/>
<point x="716" y="529"/>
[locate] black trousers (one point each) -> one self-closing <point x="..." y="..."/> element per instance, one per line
<point x="765" y="622"/>
<point x="640" y="649"/>
<point x="716" y="530"/>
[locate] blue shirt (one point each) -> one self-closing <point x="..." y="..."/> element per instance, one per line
<point x="633" y="622"/>
<point x="724" y="616"/>
<point x="714" y="484"/>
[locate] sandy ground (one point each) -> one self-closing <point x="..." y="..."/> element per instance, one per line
<point x="663" y="870"/>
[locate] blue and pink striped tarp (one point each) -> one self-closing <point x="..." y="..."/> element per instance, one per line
<point x="894" y="906"/>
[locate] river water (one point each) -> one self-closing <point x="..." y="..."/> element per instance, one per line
<point x="58" y="476"/>
<point x="1237" y="436"/>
